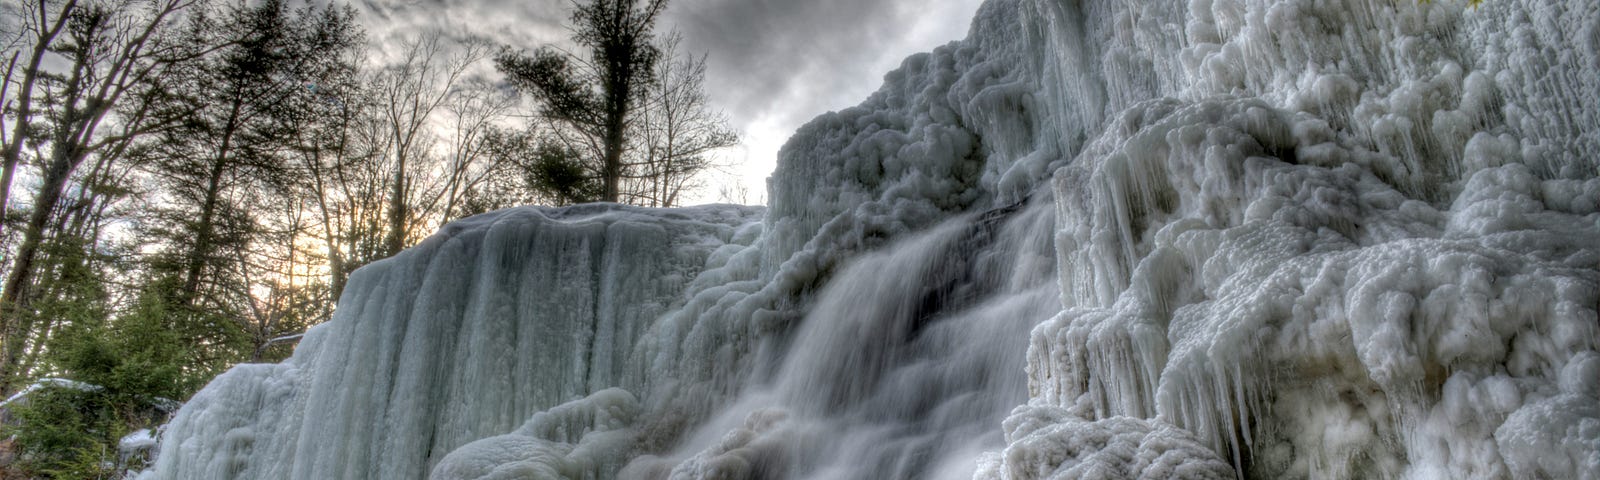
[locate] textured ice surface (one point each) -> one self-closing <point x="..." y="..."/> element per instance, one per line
<point x="587" y="438"/>
<point x="470" y="335"/>
<point x="903" y="366"/>
<point x="1048" y="442"/>
<point x="1358" y="240"/>
<point x="1096" y="239"/>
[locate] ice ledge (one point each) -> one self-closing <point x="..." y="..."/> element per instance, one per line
<point x="415" y="362"/>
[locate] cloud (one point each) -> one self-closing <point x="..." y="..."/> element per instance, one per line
<point x="792" y="59"/>
<point x="796" y="59"/>
<point x="510" y="22"/>
<point x="773" y="64"/>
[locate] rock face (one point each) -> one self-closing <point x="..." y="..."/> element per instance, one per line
<point x="1105" y="239"/>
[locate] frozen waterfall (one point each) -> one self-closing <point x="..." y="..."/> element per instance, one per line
<point x="887" y="377"/>
<point x="1096" y="239"/>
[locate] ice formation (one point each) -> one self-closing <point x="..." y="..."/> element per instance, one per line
<point x="493" y="324"/>
<point x="1096" y="239"/>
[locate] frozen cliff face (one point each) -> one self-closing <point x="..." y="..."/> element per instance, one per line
<point x="470" y="335"/>
<point x="1102" y="239"/>
<point x="1352" y="240"/>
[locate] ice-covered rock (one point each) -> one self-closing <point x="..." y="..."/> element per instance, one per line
<point x="1346" y="247"/>
<point x="1048" y="442"/>
<point x="586" y="438"/>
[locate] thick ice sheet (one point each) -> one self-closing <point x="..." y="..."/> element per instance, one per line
<point x="467" y="336"/>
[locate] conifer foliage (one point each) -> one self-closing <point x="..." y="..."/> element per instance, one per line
<point x="619" y="108"/>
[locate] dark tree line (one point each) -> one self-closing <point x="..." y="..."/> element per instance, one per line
<point x="188" y="184"/>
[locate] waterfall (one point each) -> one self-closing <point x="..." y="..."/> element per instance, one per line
<point x="1099" y="238"/>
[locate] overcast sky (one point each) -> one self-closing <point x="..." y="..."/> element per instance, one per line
<point x="774" y="64"/>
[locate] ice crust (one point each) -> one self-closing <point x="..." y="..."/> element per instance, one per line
<point x="1096" y="239"/>
<point x="470" y="335"/>
<point x="1049" y="442"/>
<point x="1349" y="246"/>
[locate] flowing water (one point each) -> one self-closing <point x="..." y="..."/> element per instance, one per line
<point x="906" y="364"/>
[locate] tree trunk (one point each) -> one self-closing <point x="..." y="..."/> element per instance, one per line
<point x="395" y="239"/>
<point x="14" y="297"/>
<point x="335" y="256"/>
<point x="617" y="101"/>
<point x="204" y="234"/>
<point x="205" y="230"/>
<point x="30" y="75"/>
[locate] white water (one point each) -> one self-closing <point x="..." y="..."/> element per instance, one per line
<point x="901" y="369"/>
<point x="1107" y="239"/>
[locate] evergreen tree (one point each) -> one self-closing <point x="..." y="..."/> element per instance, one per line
<point x="596" y="98"/>
<point x="107" y="375"/>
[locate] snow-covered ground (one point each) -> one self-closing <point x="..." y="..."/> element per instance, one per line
<point x="1099" y="238"/>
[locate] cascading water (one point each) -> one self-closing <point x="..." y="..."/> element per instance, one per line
<point x="904" y="366"/>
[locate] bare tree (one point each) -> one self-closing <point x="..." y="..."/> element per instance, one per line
<point x="409" y="96"/>
<point x="475" y="113"/>
<point x="680" y="131"/>
<point x="115" y="57"/>
<point x="42" y="24"/>
<point x="328" y="158"/>
<point x="400" y="152"/>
